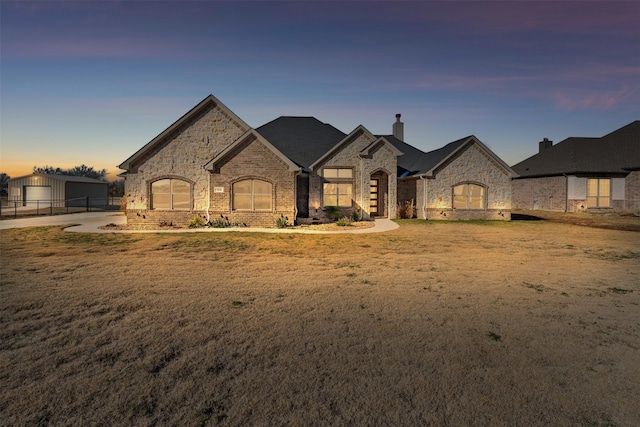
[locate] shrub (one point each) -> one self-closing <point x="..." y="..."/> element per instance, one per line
<point x="406" y="209"/>
<point x="343" y="222"/>
<point x="332" y="212"/>
<point x="196" y="222"/>
<point x="282" y="222"/>
<point x="355" y="216"/>
<point x="222" y="222"/>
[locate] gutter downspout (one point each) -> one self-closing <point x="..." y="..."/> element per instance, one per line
<point x="566" y="192"/>
<point x="208" y="194"/>
<point x="425" y="195"/>
<point x="295" y="194"/>
<point x="361" y="186"/>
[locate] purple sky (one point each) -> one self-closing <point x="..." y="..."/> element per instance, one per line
<point x="92" y="82"/>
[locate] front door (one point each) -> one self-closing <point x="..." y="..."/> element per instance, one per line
<point x="373" y="197"/>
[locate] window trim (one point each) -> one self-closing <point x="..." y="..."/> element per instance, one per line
<point x="467" y="208"/>
<point x="339" y="181"/>
<point x="252" y="195"/>
<point x="171" y="202"/>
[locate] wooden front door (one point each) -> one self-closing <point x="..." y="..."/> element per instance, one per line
<point x="373" y="197"/>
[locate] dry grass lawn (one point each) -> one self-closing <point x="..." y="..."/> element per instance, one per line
<point x="442" y="324"/>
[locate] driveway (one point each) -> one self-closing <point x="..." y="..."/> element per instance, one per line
<point x="89" y="222"/>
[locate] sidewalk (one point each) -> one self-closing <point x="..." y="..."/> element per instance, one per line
<point x="89" y="222"/>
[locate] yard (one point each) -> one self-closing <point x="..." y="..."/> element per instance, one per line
<point x="522" y="323"/>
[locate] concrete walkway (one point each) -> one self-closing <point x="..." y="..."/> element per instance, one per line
<point x="89" y="222"/>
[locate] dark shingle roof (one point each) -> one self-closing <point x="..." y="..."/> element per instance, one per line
<point x="616" y="152"/>
<point x="302" y="139"/>
<point x="415" y="161"/>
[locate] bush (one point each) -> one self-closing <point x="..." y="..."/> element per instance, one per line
<point x="332" y="212"/>
<point x="282" y="222"/>
<point x="343" y="222"/>
<point x="196" y="222"/>
<point x="406" y="209"/>
<point x="355" y="216"/>
<point x="222" y="222"/>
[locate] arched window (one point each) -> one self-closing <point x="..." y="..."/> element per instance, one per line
<point x="171" y="194"/>
<point x="468" y="196"/>
<point x="252" y="195"/>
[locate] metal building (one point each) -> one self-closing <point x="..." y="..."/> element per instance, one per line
<point x="43" y="190"/>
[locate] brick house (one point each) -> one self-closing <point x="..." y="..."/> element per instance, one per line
<point x="210" y="162"/>
<point x="582" y="174"/>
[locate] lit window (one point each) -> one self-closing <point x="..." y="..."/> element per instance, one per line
<point x="171" y="194"/>
<point x="599" y="193"/>
<point x="336" y="173"/>
<point x="468" y="196"/>
<point x="252" y="195"/>
<point x="338" y="188"/>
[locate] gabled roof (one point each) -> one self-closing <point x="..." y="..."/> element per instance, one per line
<point x="615" y="153"/>
<point x="354" y="134"/>
<point x="229" y="149"/>
<point x="431" y="161"/>
<point x="411" y="155"/>
<point x="209" y="100"/>
<point x="380" y="141"/>
<point x="301" y="139"/>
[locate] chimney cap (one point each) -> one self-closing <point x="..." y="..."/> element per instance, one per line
<point x="398" y="116"/>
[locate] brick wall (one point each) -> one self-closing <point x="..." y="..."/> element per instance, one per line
<point x="252" y="160"/>
<point x="546" y="193"/>
<point x="632" y="192"/>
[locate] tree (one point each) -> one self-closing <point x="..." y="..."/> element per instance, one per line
<point x="82" y="170"/>
<point x="116" y="188"/>
<point x="4" y="183"/>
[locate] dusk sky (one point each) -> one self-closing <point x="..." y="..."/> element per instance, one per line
<point x="93" y="81"/>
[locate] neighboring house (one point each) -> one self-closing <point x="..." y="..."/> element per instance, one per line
<point x="578" y="174"/>
<point x="212" y="163"/>
<point x="44" y="190"/>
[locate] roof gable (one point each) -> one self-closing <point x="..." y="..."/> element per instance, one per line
<point x="231" y="147"/>
<point x="433" y="160"/>
<point x="359" y="130"/>
<point x="208" y="101"/>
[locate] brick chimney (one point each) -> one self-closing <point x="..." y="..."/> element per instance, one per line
<point x="398" y="128"/>
<point x="544" y="144"/>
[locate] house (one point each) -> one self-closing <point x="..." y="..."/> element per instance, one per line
<point x="582" y="174"/>
<point x="47" y="190"/>
<point x="210" y="162"/>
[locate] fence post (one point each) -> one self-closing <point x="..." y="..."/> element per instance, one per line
<point x="87" y="204"/>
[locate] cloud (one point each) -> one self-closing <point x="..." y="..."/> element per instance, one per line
<point x="585" y="99"/>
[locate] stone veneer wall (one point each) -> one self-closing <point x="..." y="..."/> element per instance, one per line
<point x="182" y="154"/>
<point x="252" y="160"/>
<point x="471" y="165"/>
<point x="382" y="159"/>
<point x="545" y="193"/>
